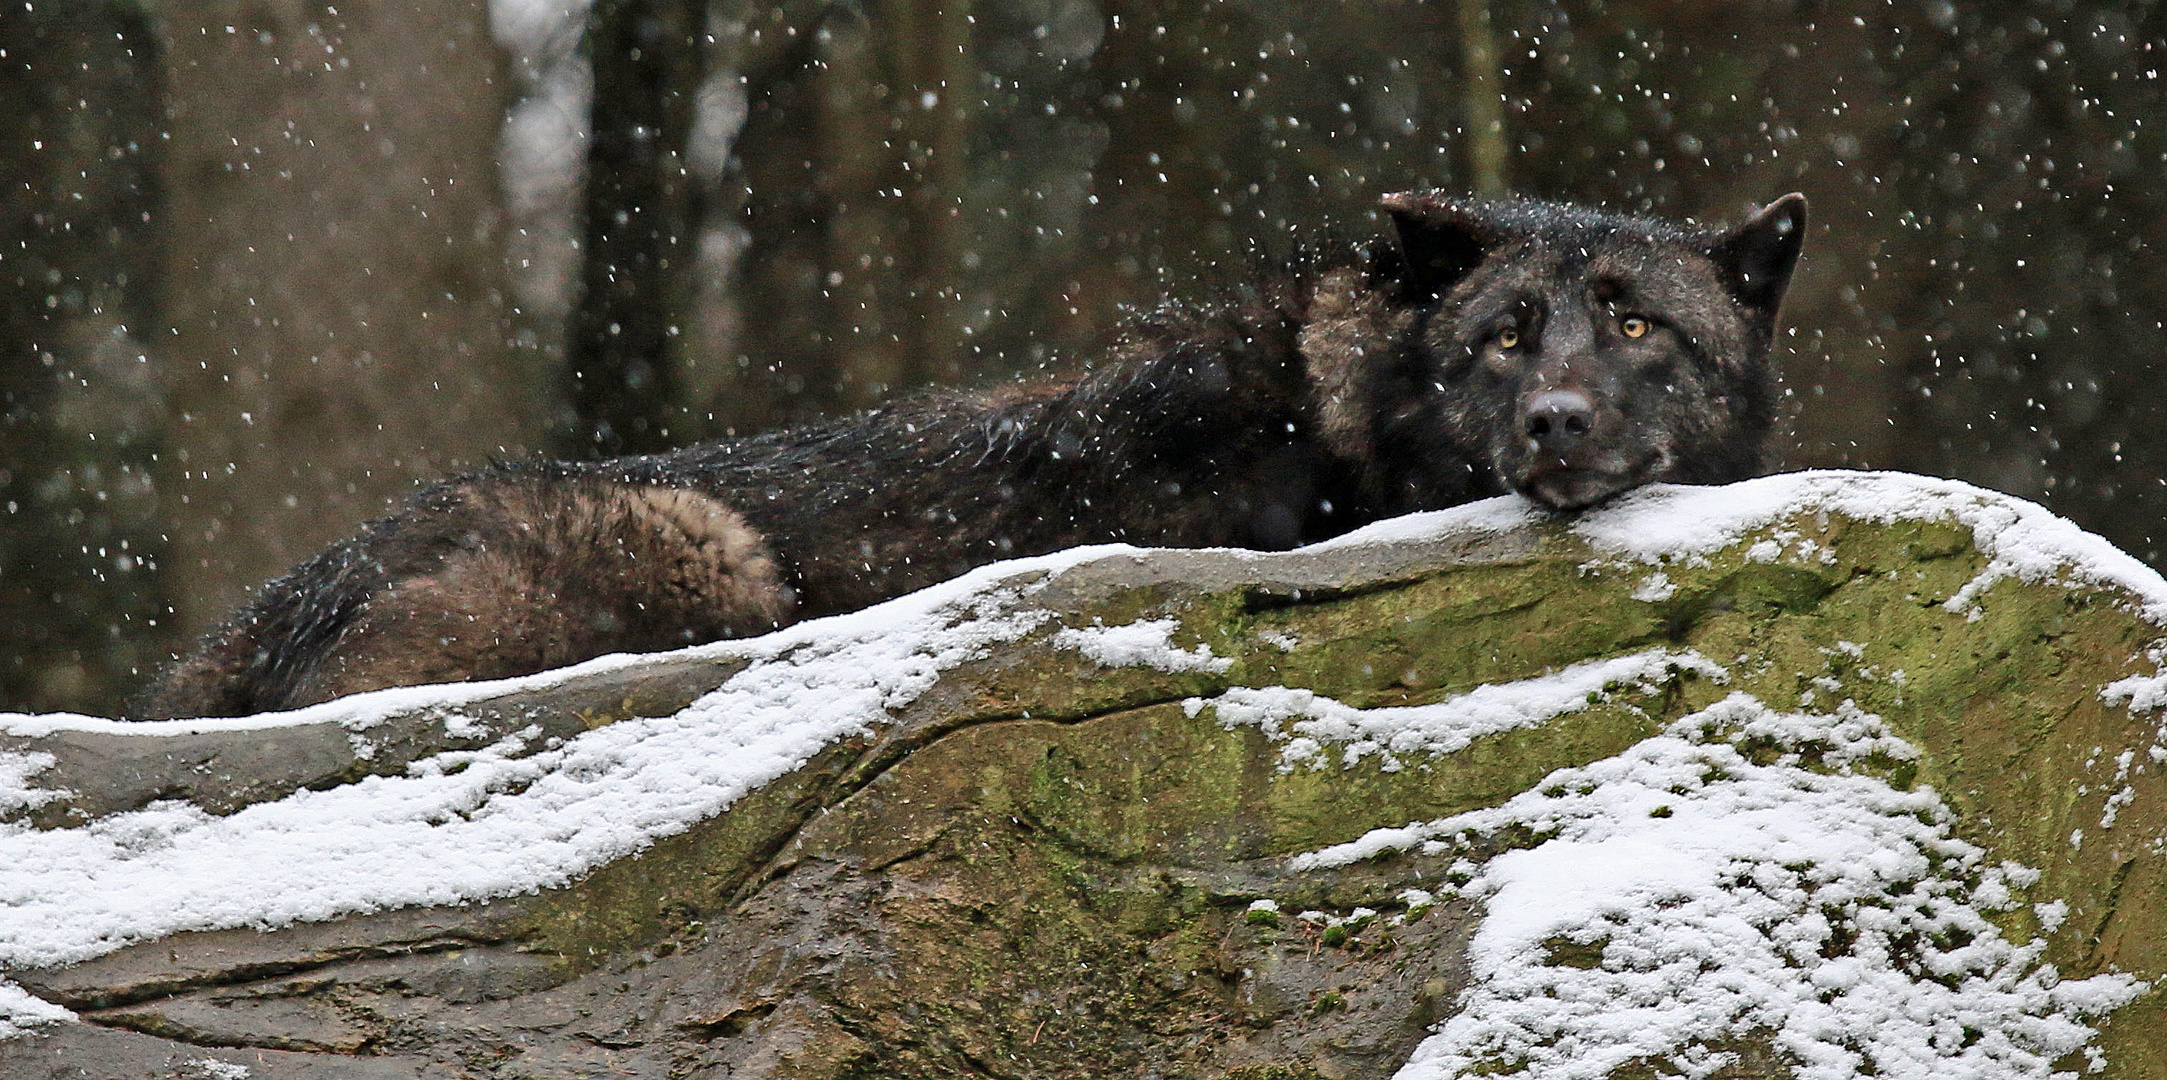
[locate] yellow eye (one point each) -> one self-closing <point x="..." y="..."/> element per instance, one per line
<point x="1508" y="338"/>
<point x="1634" y="326"/>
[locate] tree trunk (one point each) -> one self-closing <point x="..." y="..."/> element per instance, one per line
<point x="647" y="71"/>
<point x="1485" y="130"/>
<point x="79" y="147"/>
<point x="335" y="317"/>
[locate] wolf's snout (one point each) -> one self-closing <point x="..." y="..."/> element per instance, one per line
<point x="1558" y="420"/>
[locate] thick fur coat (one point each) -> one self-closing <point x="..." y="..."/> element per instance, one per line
<point x="1476" y="349"/>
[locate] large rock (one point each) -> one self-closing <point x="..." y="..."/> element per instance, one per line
<point x="1827" y="775"/>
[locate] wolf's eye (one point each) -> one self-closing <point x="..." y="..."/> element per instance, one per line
<point x="1508" y="338"/>
<point x="1634" y="326"/>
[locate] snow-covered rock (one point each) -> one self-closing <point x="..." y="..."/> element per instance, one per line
<point x="1824" y="775"/>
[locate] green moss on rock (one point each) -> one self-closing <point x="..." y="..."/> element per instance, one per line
<point x="1046" y="867"/>
<point x="1091" y="860"/>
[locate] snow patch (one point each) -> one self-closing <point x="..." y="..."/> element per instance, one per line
<point x="1306" y="721"/>
<point x="2140" y="693"/>
<point x="1796" y="897"/>
<point x="2020" y="539"/>
<point x="1664" y="523"/>
<point x="16" y="769"/>
<point x="22" y="1013"/>
<point x="1654" y="589"/>
<point x="213" y="1069"/>
<point x="1144" y="643"/>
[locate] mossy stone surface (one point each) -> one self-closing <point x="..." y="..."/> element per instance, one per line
<point x="1044" y="867"/>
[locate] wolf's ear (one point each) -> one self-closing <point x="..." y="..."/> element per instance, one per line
<point x="1758" y="255"/>
<point x="1441" y="240"/>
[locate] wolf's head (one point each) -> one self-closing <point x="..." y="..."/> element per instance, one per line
<point x="1595" y="352"/>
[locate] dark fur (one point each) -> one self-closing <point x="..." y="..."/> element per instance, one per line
<point x="1476" y="351"/>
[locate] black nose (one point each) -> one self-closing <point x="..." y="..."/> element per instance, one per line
<point x="1558" y="419"/>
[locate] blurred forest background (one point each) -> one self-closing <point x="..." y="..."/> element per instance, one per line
<point x="267" y="263"/>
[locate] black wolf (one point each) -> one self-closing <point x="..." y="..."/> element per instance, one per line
<point x="1475" y="349"/>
